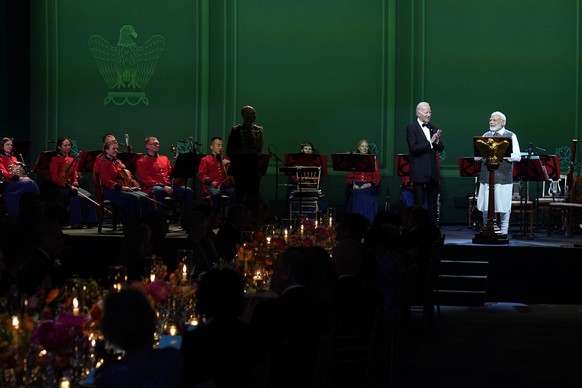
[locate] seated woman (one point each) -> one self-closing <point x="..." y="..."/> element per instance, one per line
<point x="129" y="322"/>
<point x="63" y="170"/>
<point x="362" y="187"/>
<point x="16" y="182"/>
<point x="120" y="188"/>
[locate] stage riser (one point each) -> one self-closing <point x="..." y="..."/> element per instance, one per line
<point x="527" y="274"/>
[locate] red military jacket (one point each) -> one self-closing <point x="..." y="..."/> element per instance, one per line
<point x="110" y="172"/>
<point x="153" y="171"/>
<point x="361" y="176"/>
<point x="6" y="164"/>
<point x="211" y="168"/>
<point x="58" y="163"/>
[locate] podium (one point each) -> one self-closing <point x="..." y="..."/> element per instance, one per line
<point x="493" y="149"/>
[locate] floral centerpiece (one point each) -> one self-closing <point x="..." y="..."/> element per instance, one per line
<point x="173" y="299"/>
<point x="254" y="258"/>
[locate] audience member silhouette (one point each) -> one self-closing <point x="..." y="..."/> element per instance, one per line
<point x="291" y="325"/>
<point x="229" y="235"/>
<point x="129" y="322"/>
<point x="197" y="227"/>
<point x="222" y="352"/>
<point x="41" y="266"/>
<point x="212" y="223"/>
<point x="352" y="226"/>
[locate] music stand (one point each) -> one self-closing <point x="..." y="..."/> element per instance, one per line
<point x="300" y="159"/>
<point x="529" y="168"/>
<point x="186" y="165"/>
<point x="129" y="160"/>
<point x="469" y="167"/>
<point x="402" y="165"/>
<point x="493" y="148"/>
<point x="264" y="163"/>
<point x="88" y="160"/>
<point x="552" y="165"/>
<point x="43" y="162"/>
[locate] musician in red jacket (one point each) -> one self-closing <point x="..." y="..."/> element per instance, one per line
<point x="154" y="172"/>
<point x="362" y="187"/>
<point x="213" y="173"/>
<point x="63" y="171"/>
<point x="120" y="188"/>
<point x="14" y="178"/>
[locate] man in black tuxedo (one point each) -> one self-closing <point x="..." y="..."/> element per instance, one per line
<point x="424" y="142"/>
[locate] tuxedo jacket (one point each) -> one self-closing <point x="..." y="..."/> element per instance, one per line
<point x="422" y="158"/>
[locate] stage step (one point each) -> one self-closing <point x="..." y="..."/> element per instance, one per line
<point x="462" y="282"/>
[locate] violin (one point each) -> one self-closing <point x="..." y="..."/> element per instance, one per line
<point x="67" y="170"/>
<point x="127" y="177"/>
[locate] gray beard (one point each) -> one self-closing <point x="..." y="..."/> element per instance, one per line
<point x="495" y="128"/>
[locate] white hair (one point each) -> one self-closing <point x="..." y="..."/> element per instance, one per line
<point x="420" y="105"/>
<point x="501" y="116"/>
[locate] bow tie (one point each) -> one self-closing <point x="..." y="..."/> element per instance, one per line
<point x="425" y="125"/>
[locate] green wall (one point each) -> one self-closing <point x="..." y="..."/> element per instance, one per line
<point x="330" y="71"/>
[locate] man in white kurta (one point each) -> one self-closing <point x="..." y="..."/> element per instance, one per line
<point x="503" y="175"/>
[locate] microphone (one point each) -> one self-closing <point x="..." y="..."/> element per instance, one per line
<point x="541" y="149"/>
<point x="126" y="140"/>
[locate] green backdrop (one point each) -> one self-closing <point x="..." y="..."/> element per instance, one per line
<point x="328" y="71"/>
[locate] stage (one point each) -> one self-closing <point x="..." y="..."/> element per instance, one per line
<point x="532" y="268"/>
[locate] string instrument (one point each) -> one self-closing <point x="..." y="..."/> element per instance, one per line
<point x="229" y="180"/>
<point x="67" y="170"/>
<point x="127" y="177"/>
<point x="570" y="176"/>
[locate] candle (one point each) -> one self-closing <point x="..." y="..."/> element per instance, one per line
<point x="194" y="320"/>
<point x="173" y="330"/>
<point x="301" y="230"/>
<point x="65" y="382"/>
<point x="315" y="224"/>
<point x="15" y="322"/>
<point x="184" y="273"/>
<point x="75" y="306"/>
<point x="152" y="277"/>
<point x="268" y="240"/>
<point x="330" y="221"/>
<point x="286" y="235"/>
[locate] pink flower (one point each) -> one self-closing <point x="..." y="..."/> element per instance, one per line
<point x="159" y="290"/>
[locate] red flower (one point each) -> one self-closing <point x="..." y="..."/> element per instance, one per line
<point x="159" y="290"/>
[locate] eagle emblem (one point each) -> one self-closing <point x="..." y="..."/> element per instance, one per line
<point x="126" y="67"/>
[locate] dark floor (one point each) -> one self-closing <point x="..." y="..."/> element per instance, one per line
<point x="498" y="345"/>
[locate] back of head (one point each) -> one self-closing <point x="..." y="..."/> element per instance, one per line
<point x="347" y="257"/>
<point x="380" y="238"/>
<point x="129" y="321"/>
<point x="290" y="268"/>
<point x="352" y="226"/>
<point x="239" y="214"/>
<point x="220" y="294"/>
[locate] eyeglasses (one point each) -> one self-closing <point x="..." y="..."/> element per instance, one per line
<point x="154" y="144"/>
